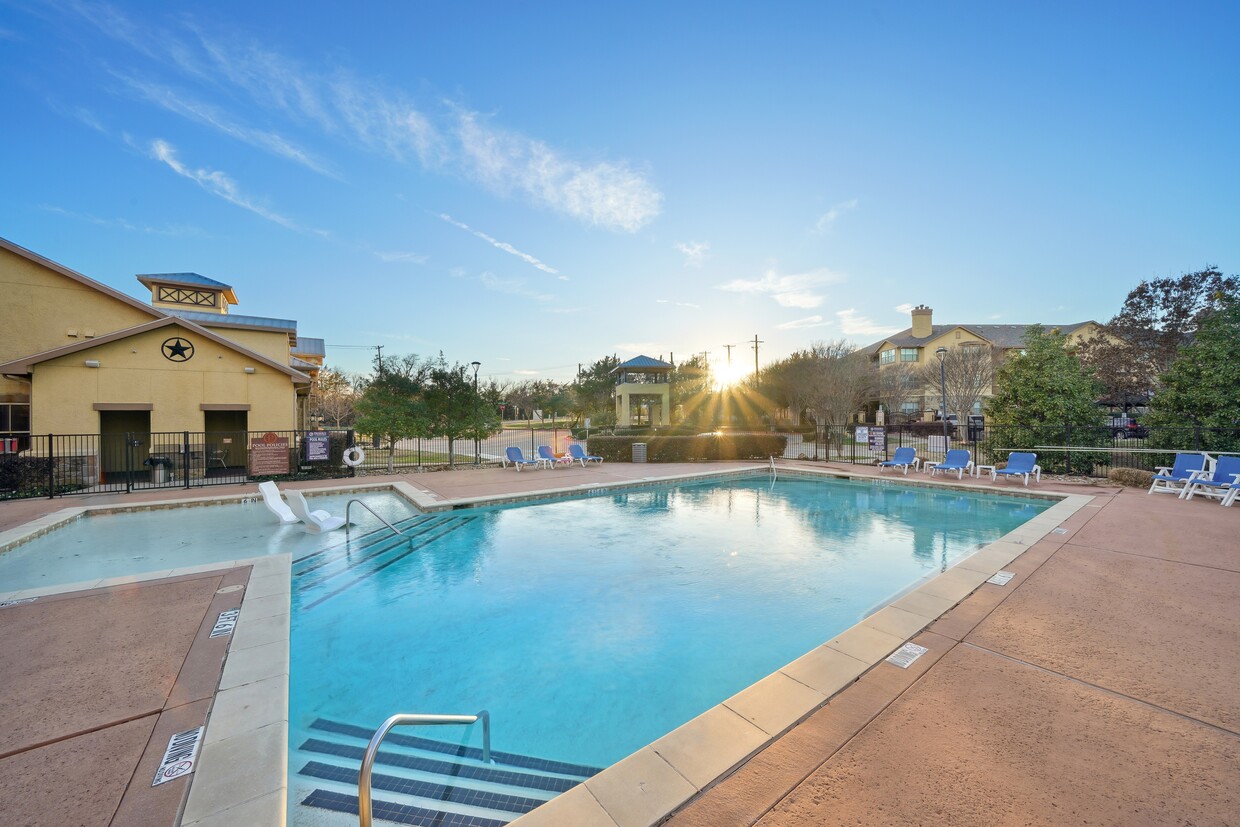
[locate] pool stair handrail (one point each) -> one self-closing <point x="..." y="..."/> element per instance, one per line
<point x="348" y="522"/>
<point x="364" y="809"/>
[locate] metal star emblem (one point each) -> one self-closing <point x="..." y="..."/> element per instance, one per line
<point x="177" y="349"/>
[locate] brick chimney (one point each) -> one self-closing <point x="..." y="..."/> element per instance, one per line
<point x="922" y="326"/>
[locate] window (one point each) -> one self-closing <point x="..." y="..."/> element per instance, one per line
<point x="15" y="422"/>
<point x="887" y="357"/>
<point x="909" y="408"/>
<point x="908" y="354"/>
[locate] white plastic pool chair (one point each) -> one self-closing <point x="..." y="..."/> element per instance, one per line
<point x="315" y="521"/>
<point x="276" y="505"/>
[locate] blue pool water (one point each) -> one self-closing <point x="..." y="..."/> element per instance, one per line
<point x="100" y="546"/>
<point x="590" y="627"/>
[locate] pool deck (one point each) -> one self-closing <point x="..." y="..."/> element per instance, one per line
<point x="1101" y="685"/>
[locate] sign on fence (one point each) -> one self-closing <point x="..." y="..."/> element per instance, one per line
<point x="862" y="434"/>
<point x="318" y="446"/>
<point x="269" y="455"/>
<point x="878" y="439"/>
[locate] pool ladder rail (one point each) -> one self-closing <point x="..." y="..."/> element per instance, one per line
<point x="348" y="522"/>
<point x="364" y="809"/>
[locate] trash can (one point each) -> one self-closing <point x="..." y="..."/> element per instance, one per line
<point x="160" y="467"/>
<point x="639" y="452"/>
<point x="976" y="425"/>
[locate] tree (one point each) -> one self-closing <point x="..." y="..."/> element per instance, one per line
<point x="453" y="408"/>
<point x="392" y="407"/>
<point x="594" y="391"/>
<point x="839" y="382"/>
<point x="1157" y="319"/>
<point x="967" y="372"/>
<point x="895" y="385"/>
<point x="1045" y="397"/>
<point x="335" y="395"/>
<point x="1202" y="387"/>
<point x="692" y="392"/>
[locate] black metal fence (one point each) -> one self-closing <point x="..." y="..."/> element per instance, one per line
<point x="50" y="465"/>
<point x="1075" y="450"/>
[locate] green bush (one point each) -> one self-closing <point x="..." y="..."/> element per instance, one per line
<point x="690" y="448"/>
<point x="19" y="475"/>
<point x="1131" y="477"/>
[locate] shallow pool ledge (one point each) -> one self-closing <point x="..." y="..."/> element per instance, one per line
<point x="652" y="783"/>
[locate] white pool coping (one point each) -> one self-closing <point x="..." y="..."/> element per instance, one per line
<point x="242" y="776"/>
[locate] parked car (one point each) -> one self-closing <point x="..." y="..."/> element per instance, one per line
<point x="1125" y="427"/>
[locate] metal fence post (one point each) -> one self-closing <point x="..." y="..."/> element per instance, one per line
<point x="1196" y="436"/>
<point x="1067" y="454"/>
<point x="185" y="458"/>
<point x="51" y="469"/>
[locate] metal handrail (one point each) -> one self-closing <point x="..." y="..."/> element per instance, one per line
<point x="348" y="522"/>
<point x="364" y="810"/>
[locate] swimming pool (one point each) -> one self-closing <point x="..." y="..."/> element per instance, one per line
<point x="589" y="627"/>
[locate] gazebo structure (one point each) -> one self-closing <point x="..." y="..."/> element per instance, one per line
<point x="643" y="392"/>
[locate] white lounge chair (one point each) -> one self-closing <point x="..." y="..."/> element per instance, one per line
<point x="315" y="521"/>
<point x="275" y="504"/>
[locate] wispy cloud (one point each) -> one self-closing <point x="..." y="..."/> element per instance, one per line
<point x="695" y="252"/>
<point x="369" y="113"/>
<point x="827" y="219"/>
<point x="217" y="183"/>
<point x="180" y="104"/>
<point x="677" y="304"/>
<point x="503" y="245"/>
<point x="905" y="308"/>
<point x="808" y="321"/>
<point x="606" y="194"/>
<point x="527" y="372"/>
<point x="124" y="224"/>
<point x="409" y="258"/>
<point x="853" y="325"/>
<point x="795" y="290"/>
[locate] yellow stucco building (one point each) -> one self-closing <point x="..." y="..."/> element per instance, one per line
<point x="915" y="347"/>
<point x="80" y="358"/>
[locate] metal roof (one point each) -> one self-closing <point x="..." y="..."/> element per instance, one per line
<point x="234" y="320"/>
<point x="307" y="346"/>
<point x="182" y="278"/>
<point x="302" y="364"/>
<point x="644" y="362"/>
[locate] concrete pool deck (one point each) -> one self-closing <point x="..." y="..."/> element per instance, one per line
<point x="1112" y="653"/>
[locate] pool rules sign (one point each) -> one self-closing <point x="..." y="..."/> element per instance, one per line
<point x="268" y="455"/>
<point x="180" y="756"/>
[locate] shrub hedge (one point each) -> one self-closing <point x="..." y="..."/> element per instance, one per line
<point x="689" y="448"/>
<point x="1131" y="477"/>
<point x="19" y="476"/>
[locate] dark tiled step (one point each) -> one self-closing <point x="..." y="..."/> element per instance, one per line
<point x="316" y="560"/>
<point x="413" y="546"/>
<point x="425" y="789"/>
<point x="524" y="762"/>
<point x="400" y="813"/>
<point x="413" y="762"/>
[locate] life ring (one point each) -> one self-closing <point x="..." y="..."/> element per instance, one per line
<point x="354" y="457"/>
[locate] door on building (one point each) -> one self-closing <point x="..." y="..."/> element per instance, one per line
<point x="225" y="441"/>
<point x="124" y="445"/>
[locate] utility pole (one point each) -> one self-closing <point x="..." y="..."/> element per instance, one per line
<point x="756" y="381"/>
<point x="379" y="358"/>
<point x="729" y="350"/>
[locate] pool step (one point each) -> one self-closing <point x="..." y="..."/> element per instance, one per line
<point x="318" y="580"/>
<point x="420" y="781"/>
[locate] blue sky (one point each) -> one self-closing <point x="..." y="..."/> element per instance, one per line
<point x="534" y="185"/>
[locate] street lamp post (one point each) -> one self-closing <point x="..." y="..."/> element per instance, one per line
<point x="477" y="444"/>
<point x="942" y="354"/>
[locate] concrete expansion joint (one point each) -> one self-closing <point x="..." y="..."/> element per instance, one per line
<point x="1113" y="693"/>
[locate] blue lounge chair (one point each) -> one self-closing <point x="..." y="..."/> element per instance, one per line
<point x="957" y="460"/>
<point x="903" y="458"/>
<point x="1174" y="479"/>
<point x="1220" y="484"/>
<point x="1019" y="464"/>
<point x="518" y="459"/>
<point x="579" y="454"/>
<point x="549" y="459"/>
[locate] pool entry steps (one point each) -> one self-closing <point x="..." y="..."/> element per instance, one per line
<point x="426" y="782"/>
<point x="327" y="573"/>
